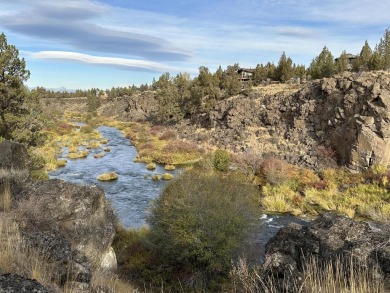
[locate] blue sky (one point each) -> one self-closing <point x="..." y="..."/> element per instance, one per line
<point x="86" y="43"/>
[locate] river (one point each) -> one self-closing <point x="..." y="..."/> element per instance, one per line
<point x="132" y="193"/>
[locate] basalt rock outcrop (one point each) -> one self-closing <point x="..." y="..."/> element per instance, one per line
<point x="11" y="283"/>
<point x="13" y="155"/>
<point x="71" y="226"/>
<point x="345" y="116"/>
<point x="329" y="238"/>
<point x="79" y="213"/>
<point x="139" y="107"/>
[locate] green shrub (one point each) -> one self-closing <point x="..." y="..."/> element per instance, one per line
<point x="199" y="224"/>
<point x="221" y="160"/>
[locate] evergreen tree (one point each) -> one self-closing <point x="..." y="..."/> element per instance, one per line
<point x="284" y="70"/>
<point x="365" y="56"/>
<point x="271" y="68"/>
<point x="299" y="71"/>
<point x="342" y="63"/>
<point x="230" y="81"/>
<point x="323" y="65"/>
<point x="13" y="93"/>
<point x="168" y="100"/>
<point x="260" y="74"/>
<point x="384" y="49"/>
<point x="376" y="60"/>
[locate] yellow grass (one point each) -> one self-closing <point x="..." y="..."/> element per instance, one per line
<point x="151" y="166"/>
<point x="167" y="176"/>
<point x="6" y="196"/>
<point x="107" y="150"/>
<point x="93" y="145"/>
<point x="111" y="176"/>
<point x="169" y="167"/>
<point x="61" y="163"/>
<point x="98" y="156"/>
<point x="341" y="276"/>
<point x="79" y="155"/>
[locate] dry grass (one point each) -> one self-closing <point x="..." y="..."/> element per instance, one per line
<point x="273" y="89"/>
<point x="98" y="156"/>
<point x="6" y="196"/>
<point x="111" y="176"/>
<point x="151" y="166"/>
<point x="331" y="277"/>
<point x="79" y="155"/>
<point x="61" y="163"/>
<point x="169" y="167"/>
<point x="102" y="282"/>
<point x="93" y="145"/>
<point x="16" y="257"/>
<point x="167" y="176"/>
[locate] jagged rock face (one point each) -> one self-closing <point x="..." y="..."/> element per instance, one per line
<point x="13" y="155"/>
<point x="328" y="238"/>
<point x="347" y="113"/>
<point x="79" y="213"/>
<point x="140" y="107"/>
<point x="350" y="113"/>
<point x="11" y="283"/>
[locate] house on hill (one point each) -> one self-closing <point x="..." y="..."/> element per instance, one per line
<point x="351" y="59"/>
<point x="245" y="74"/>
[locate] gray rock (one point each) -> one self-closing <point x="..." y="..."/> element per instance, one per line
<point x="12" y="283"/>
<point x="81" y="214"/>
<point x="13" y="155"/>
<point x="329" y="238"/>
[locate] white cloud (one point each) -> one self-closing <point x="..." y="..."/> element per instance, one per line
<point x="107" y="61"/>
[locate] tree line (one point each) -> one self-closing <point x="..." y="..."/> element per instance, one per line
<point x="178" y="96"/>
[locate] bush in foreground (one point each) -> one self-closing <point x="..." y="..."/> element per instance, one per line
<point x="199" y="224"/>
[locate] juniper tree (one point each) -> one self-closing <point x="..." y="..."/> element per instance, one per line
<point x="13" y="93"/>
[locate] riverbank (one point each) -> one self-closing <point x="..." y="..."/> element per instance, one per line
<point x="283" y="187"/>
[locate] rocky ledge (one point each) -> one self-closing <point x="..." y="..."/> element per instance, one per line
<point x="329" y="238"/>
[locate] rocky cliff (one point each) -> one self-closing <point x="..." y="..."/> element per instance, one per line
<point x="344" y="118"/>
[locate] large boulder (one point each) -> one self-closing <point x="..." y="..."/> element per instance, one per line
<point x="80" y="214"/>
<point x="329" y="238"/>
<point x="13" y="155"/>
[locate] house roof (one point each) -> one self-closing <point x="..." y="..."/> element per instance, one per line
<point x="250" y="70"/>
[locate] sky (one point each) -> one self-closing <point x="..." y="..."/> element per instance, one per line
<point x="80" y="44"/>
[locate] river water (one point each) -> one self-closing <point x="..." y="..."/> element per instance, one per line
<point x="132" y="193"/>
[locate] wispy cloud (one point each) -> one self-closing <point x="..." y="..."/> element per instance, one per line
<point x="123" y="63"/>
<point x="294" y="32"/>
<point x="69" y="24"/>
